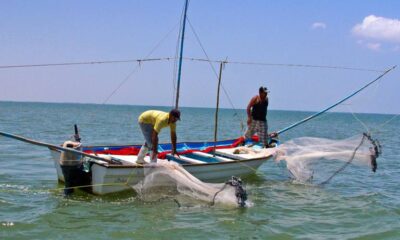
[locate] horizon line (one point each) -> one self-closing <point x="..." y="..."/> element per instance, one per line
<point x="201" y="107"/>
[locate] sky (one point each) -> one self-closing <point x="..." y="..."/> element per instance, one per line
<point x="357" y="34"/>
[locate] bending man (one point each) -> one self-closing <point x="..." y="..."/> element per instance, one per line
<point x="151" y="122"/>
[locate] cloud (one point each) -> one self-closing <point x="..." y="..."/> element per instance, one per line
<point x="373" y="46"/>
<point x="370" y="45"/>
<point x="317" y="25"/>
<point x="378" y="28"/>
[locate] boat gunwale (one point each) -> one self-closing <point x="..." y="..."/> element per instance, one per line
<point x="235" y="161"/>
<point x="166" y="143"/>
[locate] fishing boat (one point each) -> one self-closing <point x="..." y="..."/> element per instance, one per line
<point x="110" y="169"/>
<point x="207" y="161"/>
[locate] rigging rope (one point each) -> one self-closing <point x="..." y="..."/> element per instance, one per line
<point x="215" y="72"/>
<point x="138" y="66"/>
<point x="288" y="65"/>
<point x="388" y="121"/>
<point x="189" y="59"/>
<point x="334" y="105"/>
<point x="85" y="63"/>
<point x="358" y="119"/>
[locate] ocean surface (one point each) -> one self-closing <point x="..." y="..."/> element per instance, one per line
<point x="356" y="204"/>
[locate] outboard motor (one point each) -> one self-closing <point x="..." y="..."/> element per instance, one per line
<point x="72" y="166"/>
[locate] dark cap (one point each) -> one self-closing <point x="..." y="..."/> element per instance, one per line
<point x="263" y="90"/>
<point x="176" y="113"/>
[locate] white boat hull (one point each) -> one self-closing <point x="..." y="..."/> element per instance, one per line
<point x="116" y="178"/>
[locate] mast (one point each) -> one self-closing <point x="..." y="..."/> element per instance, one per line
<point x="180" y="56"/>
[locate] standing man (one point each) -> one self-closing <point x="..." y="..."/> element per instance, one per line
<point x="257" y="116"/>
<point x="151" y="122"/>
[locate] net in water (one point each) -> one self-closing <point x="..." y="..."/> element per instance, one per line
<point x="309" y="157"/>
<point x="170" y="180"/>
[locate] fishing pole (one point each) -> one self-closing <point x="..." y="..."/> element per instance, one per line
<point x="334" y="105"/>
<point x="51" y="146"/>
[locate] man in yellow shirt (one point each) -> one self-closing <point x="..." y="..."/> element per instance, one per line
<point x="151" y="122"/>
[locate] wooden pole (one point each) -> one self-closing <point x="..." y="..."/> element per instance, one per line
<point x="221" y="65"/>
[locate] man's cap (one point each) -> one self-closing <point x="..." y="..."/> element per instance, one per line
<point x="263" y="89"/>
<point x="176" y="113"/>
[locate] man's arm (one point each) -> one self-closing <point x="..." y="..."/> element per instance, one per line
<point x="154" y="141"/>
<point x="249" y="106"/>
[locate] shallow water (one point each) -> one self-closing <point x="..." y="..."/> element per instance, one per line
<point x="357" y="203"/>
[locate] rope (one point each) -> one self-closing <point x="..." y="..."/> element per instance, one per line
<point x="213" y="68"/>
<point x="346" y="164"/>
<point x="359" y="120"/>
<point x="85" y="63"/>
<point x="215" y="195"/>
<point x="192" y="59"/>
<point x="289" y="65"/>
<point x="377" y="153"/>
<point x="372" y="130"/>
<point x="335" y="104"/>
<point x="138" y="66"/>
<point x="388" y="121"/>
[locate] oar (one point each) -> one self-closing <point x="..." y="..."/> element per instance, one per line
<point x="334" y="105"/>
<point x="9" y="135"/>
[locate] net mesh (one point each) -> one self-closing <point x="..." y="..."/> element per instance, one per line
<point x="318" y="159"/>
<point x="169" y="180"/>
<point x="308" y="159"/>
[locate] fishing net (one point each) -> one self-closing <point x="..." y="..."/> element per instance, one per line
<point x="311" y="159"/>
<point x="169" y="180"/>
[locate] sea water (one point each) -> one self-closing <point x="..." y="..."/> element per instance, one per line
<point x="355" y="204"/>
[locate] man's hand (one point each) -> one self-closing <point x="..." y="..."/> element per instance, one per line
<point x="153" y="155"/>
<point x="174" y="152"/>
<point x="273" y="135"/>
